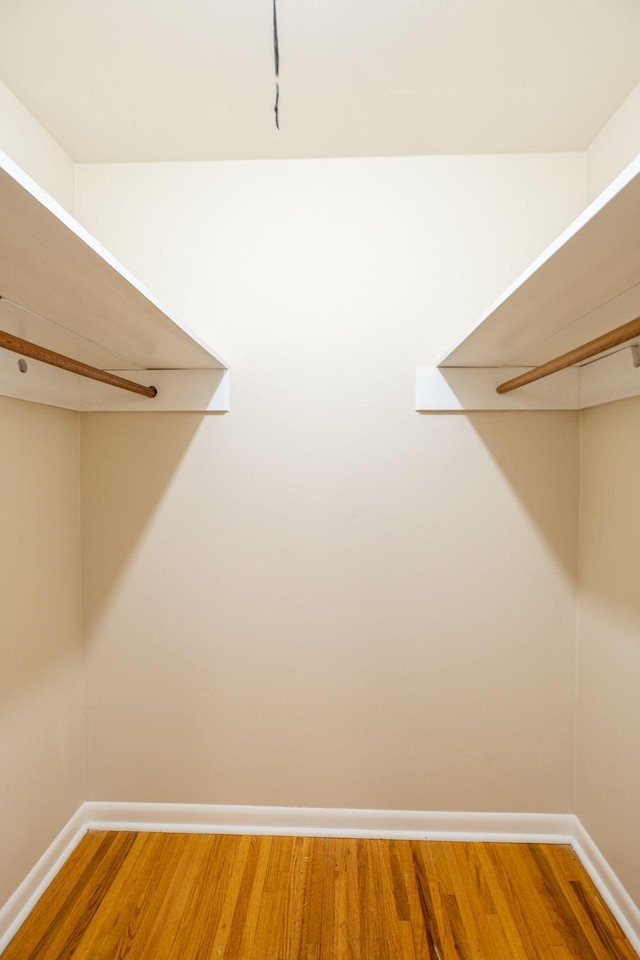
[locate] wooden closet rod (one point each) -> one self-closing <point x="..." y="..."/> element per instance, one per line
<point x="608" y="340"/>
<point x="32" y="350"/>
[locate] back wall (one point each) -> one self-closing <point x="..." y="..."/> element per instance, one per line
<point x="324" y="597"/>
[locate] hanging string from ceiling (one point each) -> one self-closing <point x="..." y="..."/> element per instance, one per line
<point x="276" y="58"/>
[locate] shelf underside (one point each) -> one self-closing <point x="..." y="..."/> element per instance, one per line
<point x="60" y="289"/>
<point x="583" y="285"/>
<point x="80" y="301"/>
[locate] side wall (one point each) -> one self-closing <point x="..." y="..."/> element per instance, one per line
<point x="30" y="146"/>
<point x="608" y="764"/>
<point x="41" y="743"/>
<point x="41" y="710"/>
<point x="617" y="144"/>
<point x="323" y="597"/>
<point x="608" y="679"/>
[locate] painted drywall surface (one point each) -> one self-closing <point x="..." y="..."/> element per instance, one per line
<point x="617" y="144"/>
<point x="324" y="597"/>
<point x="41" y="743"/>
<point x="425" y="242"/>
<point x="30" y="146"/>
<point x="359" y="614"/>
<point x="194" y="80"/>
<point x="608" y="733"/>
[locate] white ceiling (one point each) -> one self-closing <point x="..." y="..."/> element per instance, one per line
<point x="133" y="80"/>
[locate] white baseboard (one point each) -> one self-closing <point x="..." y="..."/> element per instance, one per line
<point x="330" y="822"/>
<point x="614" y="894"/>
<point x="21" y="903"/>
<point x="323" y="822"/>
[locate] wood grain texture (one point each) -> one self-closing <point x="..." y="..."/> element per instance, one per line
<point x="208" y="897"/>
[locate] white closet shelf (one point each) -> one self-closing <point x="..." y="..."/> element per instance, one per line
<point x="583" y="285"/>
<point x="62" y="290"/>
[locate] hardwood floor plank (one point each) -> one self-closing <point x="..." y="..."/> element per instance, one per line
<point x="592" y="916"/>
<point x="160" y="914"/>
<point x="406" y="857"/>
<point x="295" y="899"/>
<point x="483" y="903"/>
<point x="217" y="945"/>
<point x="430" y="898"/>
<point x="389" y="894"/>
<point x="579" y="935"/>
<point x="288" y="888"/>
<point x="537" y="911"/>
<point x="471" y="904"/>
<point x="206" y="853"/>
<point x="73" y="916"/>
<point x="65" y="888"/>
<point x="202" y="897"/>
<point x="340" y="905"/>
<point x="560" y="953"/>
<point x="123" y="918"/>
<point x="327" y="929"/>
<point x="193" y="939"/>
<point x="312" y="919"/>
<point x="369" y="913"/>
<point x="243" y="902"/>
<point x="268" y="925"/>
<point x="602" y="920"/>
<point x="505" y="903"/>
<point x="500" y="942"/>
<point x="248" y="934"/>
<point x="399" y="885"/>
<point x="168" y="918"/>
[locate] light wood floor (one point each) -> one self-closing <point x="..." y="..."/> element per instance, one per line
<point x="195" y="897"/>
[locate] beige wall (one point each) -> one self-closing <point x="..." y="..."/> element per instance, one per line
<point x="617" y="144"/>
<point x="323" y="597"/>
<point x="340" y="607"/>
<point x="608" y="745"/>
<point x="608" y="681"/>
<point x="30" y="146"/>
<point x="42" y="772"/>
<point x="41" y="743"/>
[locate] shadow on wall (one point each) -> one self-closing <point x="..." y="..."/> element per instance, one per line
<point x="610" y="521"/>
<point x="125" y="482"/>
<point x="272" y="608"/>
<point x="39" y="547"/>
<point x="537" y="454"/>
<point x="122" y="488"/>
